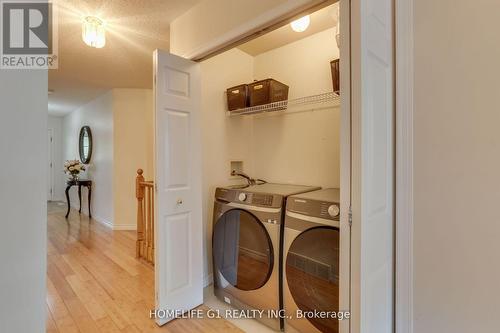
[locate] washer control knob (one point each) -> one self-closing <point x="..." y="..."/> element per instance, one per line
<point x="333" y="210"/>
<point x="242" y="196"/>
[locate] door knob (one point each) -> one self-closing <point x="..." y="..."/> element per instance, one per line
<point x="179" y="201"/>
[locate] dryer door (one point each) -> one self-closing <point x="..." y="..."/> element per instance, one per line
<point x="242" y="249"/>
<point x="312" y="274"/>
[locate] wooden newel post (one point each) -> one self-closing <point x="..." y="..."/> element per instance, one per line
<point x="139" y="193"/>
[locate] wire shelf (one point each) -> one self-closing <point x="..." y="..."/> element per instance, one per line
<point x="325" y="100"/>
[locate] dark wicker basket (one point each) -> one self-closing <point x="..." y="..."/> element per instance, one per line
<point x="267" y="91"/>
<point x="237" y="97"/>
<point x="335" y="65"/>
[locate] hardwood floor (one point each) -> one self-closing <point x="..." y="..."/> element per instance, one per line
<point x="95" y="284"/>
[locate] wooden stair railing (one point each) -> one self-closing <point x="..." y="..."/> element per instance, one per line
<point x="145" y="193"/>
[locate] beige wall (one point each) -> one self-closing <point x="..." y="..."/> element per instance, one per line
<point x="457" y="163"/>
<point x="132" y="149"/>
<point x="300" y="148"/>
<point x="98" y="114"/>
<point x="212" y="23"/>
<point x="121" y="121"/>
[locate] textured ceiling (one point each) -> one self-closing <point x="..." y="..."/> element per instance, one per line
<point x="321" y="20"/>
<point x="134" y="29"/>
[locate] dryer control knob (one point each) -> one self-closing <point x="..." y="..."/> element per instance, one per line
<point x="242" y="196"/>
<point x="333" y="210"/>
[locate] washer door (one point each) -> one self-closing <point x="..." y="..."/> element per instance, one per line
<point x="312" y="273"/>
<point x="242" y="250"/>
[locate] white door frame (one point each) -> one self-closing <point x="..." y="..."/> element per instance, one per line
<point x="345" y="163"/>
<point x="404" y="166"/>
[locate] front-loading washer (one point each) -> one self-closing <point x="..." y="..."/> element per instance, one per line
<point x="311" y="261"/>
<point x="246" y="245"/>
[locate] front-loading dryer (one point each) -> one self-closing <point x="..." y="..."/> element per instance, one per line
<point x="246" y="245"/>
<point x="311" y="262"/>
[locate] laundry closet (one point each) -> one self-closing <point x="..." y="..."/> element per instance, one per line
<point x="290" y="149"/>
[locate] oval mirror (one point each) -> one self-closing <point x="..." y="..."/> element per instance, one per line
<point x="85" y="144"/>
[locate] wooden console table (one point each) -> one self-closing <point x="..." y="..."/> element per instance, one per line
<point x="79" y="183"/>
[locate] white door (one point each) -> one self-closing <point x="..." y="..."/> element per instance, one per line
<point x="373" y="166"/>
<point x="50" y="171"/>
<point x="179" y="265"/>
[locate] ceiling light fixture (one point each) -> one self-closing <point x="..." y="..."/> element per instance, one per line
<point x="93" y="32"/>
<point x="301" y="24"/>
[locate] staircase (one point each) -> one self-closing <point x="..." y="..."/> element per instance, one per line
<point x="145" y="194"/>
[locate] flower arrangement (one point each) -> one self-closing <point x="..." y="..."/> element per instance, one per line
<point x="73" y="168"/>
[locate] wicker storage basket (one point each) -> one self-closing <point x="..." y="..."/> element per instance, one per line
<point x="267" y="91"/>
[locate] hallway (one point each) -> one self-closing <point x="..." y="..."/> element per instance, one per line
<point x="95" y="284"/>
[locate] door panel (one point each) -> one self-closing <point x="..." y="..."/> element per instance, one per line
<point x="177" y="142"/>
<point x="179" y="274"/>
<point x="179" y="263"/>
<point x="176" y="82"/>
<point x="373" y="157"/>
<point x="378" y="171"/>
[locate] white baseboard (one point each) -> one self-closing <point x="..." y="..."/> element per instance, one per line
<point x="105" y="222"/>
<point x="208" y="280"/>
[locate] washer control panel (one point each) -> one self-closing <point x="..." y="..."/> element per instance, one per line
<point x="257" y="199"/>
<point x="249" y="198"/>
<point x="262" y="199"/>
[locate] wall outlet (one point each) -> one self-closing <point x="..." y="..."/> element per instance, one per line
<point x="236" y="166"/>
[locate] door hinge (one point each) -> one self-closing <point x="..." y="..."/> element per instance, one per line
<point x="350" y="216"/>
<point x="51" y="164"/>
<point x="50" y="139"/>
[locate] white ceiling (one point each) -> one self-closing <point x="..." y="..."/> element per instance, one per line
<point x="134" y="29"/>
<point x="321" y="20"/>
